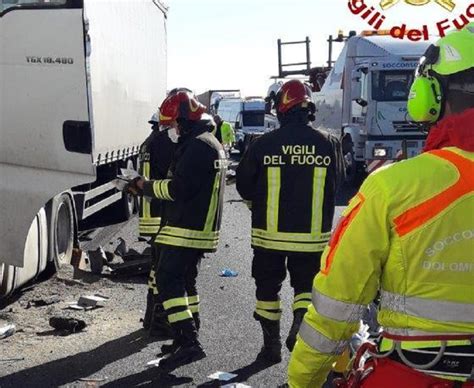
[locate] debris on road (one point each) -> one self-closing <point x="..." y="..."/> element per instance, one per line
<point x="93" y="379"/>
<point x="12" y="359"/>
<point x="121" y="249"/>
<point x="236" y="385"/>
<point x="43" y="302"/>
<point x="154" y="363"/>
<point x="228" y="273"/>
<point x="88" y="302"/>
<point x="7" y="330"/>
<point x="97" y="260"/>
<point x="133" y="267"/>
<point x="68" y="325"/>
<point x="222" y="376"/>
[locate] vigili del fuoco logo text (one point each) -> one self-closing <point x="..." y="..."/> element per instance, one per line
<point x="376" y="18"/>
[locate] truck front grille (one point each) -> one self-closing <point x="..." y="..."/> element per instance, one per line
<point x="405" y="126"/>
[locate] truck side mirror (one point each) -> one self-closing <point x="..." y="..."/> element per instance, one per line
<point x="237" y="125"/>
<point x="356" y="86"/>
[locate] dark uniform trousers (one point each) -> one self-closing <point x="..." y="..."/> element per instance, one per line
<point x="176" y="279"/>
<point x="269" y="271"/>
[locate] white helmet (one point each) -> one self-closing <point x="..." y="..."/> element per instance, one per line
<point x="155" y="119"/>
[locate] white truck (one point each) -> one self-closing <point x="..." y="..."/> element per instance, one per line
<point x="79" y="80"/>
<point x="248" y="117"/>
<point x="363" y="101"/>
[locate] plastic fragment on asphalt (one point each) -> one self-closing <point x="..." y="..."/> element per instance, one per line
<point x="228" y="273"/>
<point x="7" y="330"/>
<point x="236" y="385"/>
<point x="222" y="376"/>
<point x="154" y="363"/>
<point x="93" y="379"/>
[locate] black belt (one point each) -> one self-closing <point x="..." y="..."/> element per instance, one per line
<point x="456" y="360"/>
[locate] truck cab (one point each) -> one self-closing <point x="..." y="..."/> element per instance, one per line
<point x="363" y="101"/>
<point x="248" y="118"/>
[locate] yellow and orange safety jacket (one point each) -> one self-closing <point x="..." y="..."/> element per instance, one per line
<point x="408" y="234"/>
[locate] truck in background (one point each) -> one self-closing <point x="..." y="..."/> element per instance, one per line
<point x="363" y="101"/>
<point x="248" y="117"/>
<point x="73" y="112"/>
<point x="212" y="98"/>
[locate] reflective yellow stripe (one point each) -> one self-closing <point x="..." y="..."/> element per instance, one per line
<point x="319" y="181"/>
<point x="150" y="221"/>
<point x="193" y="299"/>
<point x="288" y="246"/>
<point x="302" y="304"/>
<point x="182" y="316"/>
<point x="268" y="315"/>
<point x="148" y="229"/>
<point x="387" y="344"/>
<point x="189" y="233"/>
<point x="212" y="212"/>
<point x="194" y="308"/>
<point x="187" y="243"/>
<point x="165" y="189"/>
<point x="291" y="237"/>
<point x="272" y="305"/>
<point x="304" y="295"/>
<point x="160" y="189"/>
<point x="176" y="302"/>
<point x="273" y="197"/>
<point x="146" y="170"/>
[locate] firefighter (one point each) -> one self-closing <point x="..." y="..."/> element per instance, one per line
<point x="290" y="177"/>
<point x="155" y="157"/>
<point x="408" y="236"/>
<point x="224" y="132"/>
<point x="192" y="198"/>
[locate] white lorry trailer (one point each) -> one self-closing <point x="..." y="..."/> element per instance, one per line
<point x="79" y="80"/>
<point x="363" y="101"/>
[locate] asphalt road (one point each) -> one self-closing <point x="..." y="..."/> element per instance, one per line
<point x="115" y="350"/>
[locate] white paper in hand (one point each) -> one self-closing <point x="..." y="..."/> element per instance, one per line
<point x="129" y="174"/>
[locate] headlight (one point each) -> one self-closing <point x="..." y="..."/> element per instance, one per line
<point x="381" y="152"/>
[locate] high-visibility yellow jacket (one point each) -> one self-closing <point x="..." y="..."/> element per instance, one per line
<point x="225" y="133"/>
<point x="408" y="233"/>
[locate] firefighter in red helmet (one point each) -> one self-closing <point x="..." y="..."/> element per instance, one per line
<point x="193" y="197"/>
<point x="290" y="176"/>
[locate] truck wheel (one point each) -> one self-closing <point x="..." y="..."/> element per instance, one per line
<point x="61" y="234"/>
<point x="355" y="173"/>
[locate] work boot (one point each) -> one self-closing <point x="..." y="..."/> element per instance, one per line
<point x="298" y="316"/>
<point x="271" y="350"/>
<point x="197" y="321"/>
<point x="187" y="348"/>
<point x="150" y="305"/>
<point x="160" y="329"/>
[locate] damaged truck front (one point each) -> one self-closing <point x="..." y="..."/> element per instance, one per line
<point x="79" y="80"/>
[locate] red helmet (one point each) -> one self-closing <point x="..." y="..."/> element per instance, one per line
<point x="291" y="94"/>
<point x="181" y="105"/>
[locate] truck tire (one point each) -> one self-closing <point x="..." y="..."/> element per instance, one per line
<point x="62" y="228"/>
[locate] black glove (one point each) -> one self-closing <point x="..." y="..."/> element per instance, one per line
<point x="132" y="187"/>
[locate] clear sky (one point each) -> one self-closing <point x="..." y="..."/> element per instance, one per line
<point x="227" y="44"/>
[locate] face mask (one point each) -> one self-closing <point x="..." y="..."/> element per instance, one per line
<point x="173" y="135"/>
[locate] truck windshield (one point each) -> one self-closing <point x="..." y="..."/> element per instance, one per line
<point x="391" y="85"/>
<point x="6" y="4"/>
<point x="253" y="118"/>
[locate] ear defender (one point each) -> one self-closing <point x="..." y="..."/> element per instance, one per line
<point x="426" y="98"/>
<point x="425" y="102"/>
